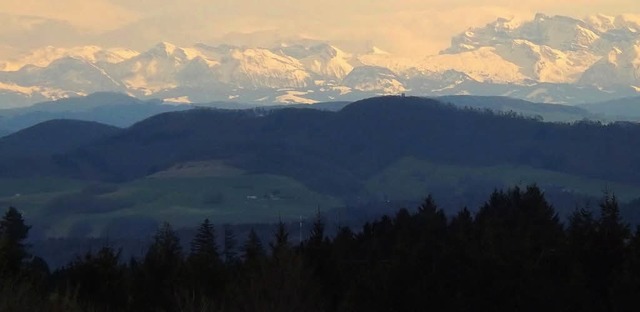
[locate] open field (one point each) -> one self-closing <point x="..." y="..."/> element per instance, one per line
<point x="182" y="197"/>
<point x="411" y="178"/>
<point x="188" y="193"/>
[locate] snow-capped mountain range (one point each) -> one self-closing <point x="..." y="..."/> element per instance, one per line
<point x="553" y="59"/>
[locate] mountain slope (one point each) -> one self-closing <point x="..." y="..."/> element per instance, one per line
<point x="621" y="66"/>
<point x="76" y="104"/>
<point x="45" y="56"/>
<point x="621" y="109"/>
<point x="548" y="112"/>
<point x="323" y="60"/>
<point x="68" y="73"/>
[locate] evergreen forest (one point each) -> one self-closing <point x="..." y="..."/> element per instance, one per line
<point x="514" y="253"/>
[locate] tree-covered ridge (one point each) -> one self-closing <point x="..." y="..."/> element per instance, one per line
<point x="513" y="254"/>
<point x="336" y="152"/>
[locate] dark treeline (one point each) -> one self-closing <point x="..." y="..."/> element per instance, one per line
<point x="513" y="254"/>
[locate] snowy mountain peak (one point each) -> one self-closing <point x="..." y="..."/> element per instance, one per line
<point x="163" y="48"/>
<point x="621" y="66"/>
<point x="541" y="17"/>
<point x="555" y="49"/>
<point x="44" y="56"/>
<point x="559" y="32"/>
<point x="169" y="50"/>
<point x="376" y="50"/>
<point x="630" y="22"/>
<point x="374" y="78"/>
<point x="262" y="68"/>
<point x="323" y="60"/>
<point x="549" y="58"/>
<point x="507" y="23"/>
<point x="602" y="23"/>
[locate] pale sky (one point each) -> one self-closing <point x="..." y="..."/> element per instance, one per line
<point x="409" y="27"/>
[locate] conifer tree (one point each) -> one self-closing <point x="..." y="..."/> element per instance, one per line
<point x="204" y="245"/>
<point x="253" y="250"/>
<point x="98" y="279"/>
<point x="230" y="245"/>
<point x="13" y="232"/>
<point x="610" y="248"/>
<point x="165" y="249"/>
<point x="612" y="232"/>
<point x="159" y="275"/>
<point x="316" y="236"/>
<point x="281" y="241"/>
<point x="428" y="205"/>
<point x="204" y="265"/>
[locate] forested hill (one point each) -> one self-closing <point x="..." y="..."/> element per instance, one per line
<point x="52" y="137"/>
<point x="335" y="151"/>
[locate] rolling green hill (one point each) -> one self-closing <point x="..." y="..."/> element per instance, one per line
<point x="259" y="165"/>
<point x="183" y="195"/>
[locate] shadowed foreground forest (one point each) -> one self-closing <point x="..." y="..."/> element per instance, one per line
<point x="514" y="254"/>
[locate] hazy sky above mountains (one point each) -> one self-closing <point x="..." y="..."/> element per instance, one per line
<point x="410" y="27"/>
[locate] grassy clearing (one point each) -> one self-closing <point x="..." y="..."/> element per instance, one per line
<point x="242" y="198"/>
<point x="411" y="178"/>
<point x="28" y="186"/>
<point x="183" y="196"/>
<point x="186" y="194"/>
